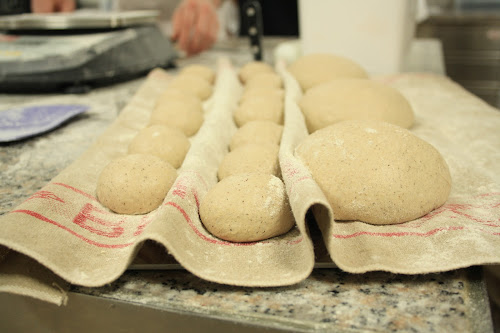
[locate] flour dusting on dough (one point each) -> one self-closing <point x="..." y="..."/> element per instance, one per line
<point x="275" y="196"/>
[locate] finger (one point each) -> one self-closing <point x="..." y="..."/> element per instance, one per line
<point x="209" y="28"/>
<point x="38" y="6"/>
<point x="200" y="31"/>
<point x="177" y="21"/>
<point x="203" y="37"/>
<point x="187" y="28"/>
<point x="67" y="6"/>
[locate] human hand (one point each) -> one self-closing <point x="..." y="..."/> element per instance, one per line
<point x="50" y="6"/>
<point x="195" y="25"/>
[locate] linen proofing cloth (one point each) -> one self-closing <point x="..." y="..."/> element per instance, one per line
<point x="62" y="234"/>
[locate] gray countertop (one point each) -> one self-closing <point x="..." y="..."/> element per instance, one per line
<point x="329" y="300"/>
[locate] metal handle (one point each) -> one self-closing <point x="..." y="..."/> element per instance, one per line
<point x="253" y="12"/>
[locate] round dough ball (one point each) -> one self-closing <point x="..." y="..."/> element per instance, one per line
<point x="247" y="208"/>
<point x="178" y="115"/>
<point x="259" y="108"/>
<point x="168" y="143"/>
<point x="258" y="92"/>
<point x="193" y="84"/>
<point x="200" y="70"/>
<point x="376" y="172"/>
<point x="266" y="80"/>
<point x="354" y="99"/>
<point x="259" y="158"/>
<point x="181" y="96"/>
<point x="252" y="68"/>
<point x="257" y="131"/>
<point x="135" y="184"/>
<point x="313" y="69"/>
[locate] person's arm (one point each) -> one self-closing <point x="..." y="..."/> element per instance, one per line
<point x="50" y="6"/>
<point x="195" y="25"/>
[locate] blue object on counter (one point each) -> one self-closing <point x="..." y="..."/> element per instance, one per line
<point x="24" y="122"/>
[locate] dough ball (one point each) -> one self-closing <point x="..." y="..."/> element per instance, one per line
<point x="259" y="158"/>
<point x="313" y="69"/>
<point x="135" y="184"/>
<point x="266" y="80"/>
<point x="247" y="208"/>
<point x="204" y="72"/>
<point x="257" y="131"/>
<point x="173" y="94"/>
<point x="168" y="143"/>
<point x="376" y="172"/>
<point x="357" y="99"/>
<point x="178" y="115"/>
<point x="193" y="84"/>
<point x="259" y="92"/>
<point x="259" y="108"/>
<point x="252" y="68"/>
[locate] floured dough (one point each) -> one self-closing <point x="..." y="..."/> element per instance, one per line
<point x="257" y="131"/>
<point x="178" y="115"/>
<point x="135" y="184"/>
<point x="376" y="172"/>
<point x="194" y="84"/>
<point x="168" y="143"/>
<point x="261" y="158"/>
<point x="360" y="99"/>
<point x="313" y="69"/>
<point x="247" y="208"/>
<point x="200" y="70"/>
<point x="267" y="80"/>
<point x="173" y="94"/>
<point x="259" y="108"/>
<point x="252" y="68"/>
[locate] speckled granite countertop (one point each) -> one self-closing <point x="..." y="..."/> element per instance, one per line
<point x="329" y="300"/>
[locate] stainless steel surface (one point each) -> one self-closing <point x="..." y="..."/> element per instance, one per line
<point x="471" y="45"/>
<point x="84" y="19"/>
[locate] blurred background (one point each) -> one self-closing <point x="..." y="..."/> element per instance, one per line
<point x="469" y="31"/>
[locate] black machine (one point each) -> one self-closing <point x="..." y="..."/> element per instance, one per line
<point x="74" y="52"/>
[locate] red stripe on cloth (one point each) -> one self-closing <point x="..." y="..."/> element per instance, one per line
<point x="77" y="191"/>
<point x="398" y="234"/>
<point x="89" y="241"/>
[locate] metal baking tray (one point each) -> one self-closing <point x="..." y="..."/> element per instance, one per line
<point x="81" y="19"/>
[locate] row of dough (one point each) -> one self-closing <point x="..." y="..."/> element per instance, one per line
<point x="138" y="182"/>
<point x="249" y="203"/>
<point x="360" y="153"/>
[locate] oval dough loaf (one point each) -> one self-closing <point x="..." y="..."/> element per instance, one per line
<point x="169" y="144"/>
<point x="179" y="115"/>
<point x="199" y="70"/>
<point x="260" y="158"/>
<point x="313" y="69"/>
<point x="258" y="92"/>
<point x="376" y="172"/>
<point x="354" y="99"/>
<point x="193" y="84"/>
<point x="247" y="208"/>
<point x="266" y="80"/>
<point x="135" y="184"/>
<point x="173" y="94"/>
<point x="252" y="68"/>
<point x="259" y="108"/>
<point x="258" y="131"/>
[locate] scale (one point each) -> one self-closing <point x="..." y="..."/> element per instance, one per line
<point x="75" y="52"/>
